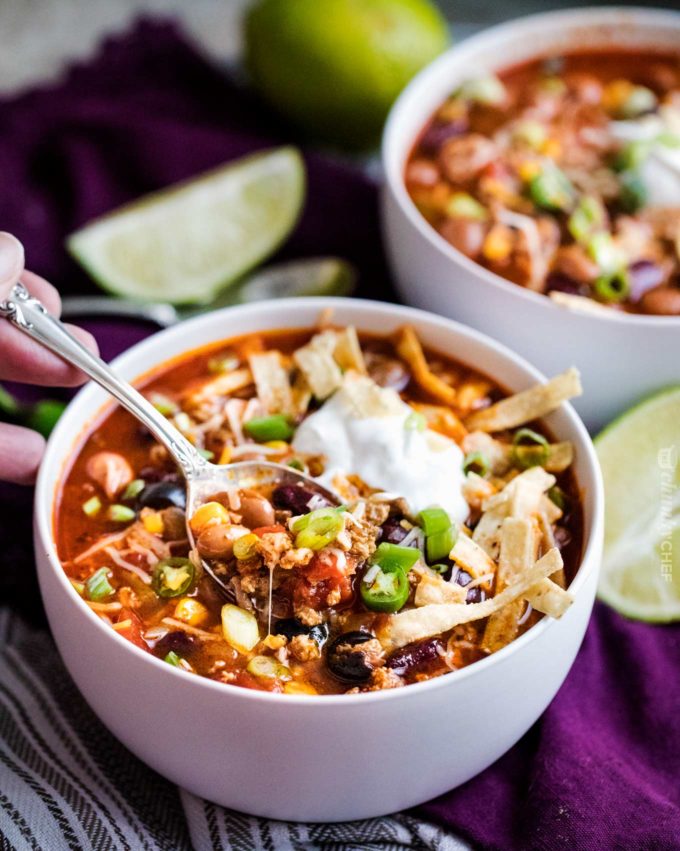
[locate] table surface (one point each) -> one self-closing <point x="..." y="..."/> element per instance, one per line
<point x="40" y="37"/>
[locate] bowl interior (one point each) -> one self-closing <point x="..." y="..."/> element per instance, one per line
<point x="445" y="335"/>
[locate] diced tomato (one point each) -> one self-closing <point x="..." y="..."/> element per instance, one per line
<point x="133" y="632"/>
<point x="323" y="575"/>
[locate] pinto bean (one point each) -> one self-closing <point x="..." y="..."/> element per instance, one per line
<point x="422" y="174"/>
<point x="218" y="541"/>
<point x="572" y="262"/>
<point x="664" y="301"/>
<point x="462" y="158"/>
<point x="257" y="511"/>
<point x="467" y="235"/>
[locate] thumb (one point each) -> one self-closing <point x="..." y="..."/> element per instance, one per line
<point x="11" y="263"/>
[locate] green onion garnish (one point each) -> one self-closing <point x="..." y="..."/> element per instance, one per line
<point x="394" y="556"/>
<point x="223" y="364"/>
<point x="134" y="489"/>
<point x="463" y="205"/>
<point x="433" y="520"/>
<point x="273" y="427"/>
<point x="163" y="404"/>
<point x="632" y="192"/>
<point x="415" y="421"/>
<point x="296" y="464"/>
<point x="530" y="449"/>
<point x="207" y="454"/>
<point x="98" y="586"/>
<point x="120" y="513"/>
<point x="476" y="462"/>
<point x="173" y="659"/>
<point x="318" y="528"/>
<point x="439" y="545"/>
<point x="92" y="507"/>
<point x="558" y="497"/>
<point x="614" y="287"/>
<point x="588" y="216"/>
<point x="551" y="190"/>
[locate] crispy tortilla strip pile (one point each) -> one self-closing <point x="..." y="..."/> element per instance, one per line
<point x="528" y="405"/>
<point x="323" y="360"/>
<point x="272" y="382"/>
<point x="222" y="385"/>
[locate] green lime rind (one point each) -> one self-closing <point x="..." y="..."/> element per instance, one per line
<point x="639" y="454"/>
<point x="186" y="243"/>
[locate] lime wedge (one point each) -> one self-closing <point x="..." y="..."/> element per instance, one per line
<point x="186" y="243"/>
<point x="640" y="458"/>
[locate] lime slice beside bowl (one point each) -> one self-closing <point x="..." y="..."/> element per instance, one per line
<point x="185" y="243"/>
<point x="640" y="458"/>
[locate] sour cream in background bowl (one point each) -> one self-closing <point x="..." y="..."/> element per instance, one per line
<point x="622" y="356"/>
<point x="326" y="758"/>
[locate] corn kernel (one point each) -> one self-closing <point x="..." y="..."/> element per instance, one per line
<point x="299" y="688"/>
<point x="552" y="148"/>
<point x="498" y="243"/>
<point x="152" y="520"/>
<point x="209" y="514"/>
<point x="528" y="169"/>
<point x="281" y="445"/>
<point x="615" y="94"/>
<point x="190" y="611"/>
<point x="225" y="455"/>
<point x="273" y="642"/>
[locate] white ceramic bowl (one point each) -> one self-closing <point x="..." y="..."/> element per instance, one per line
<point x="621" y="356"/>
<point x="327" y="758"/>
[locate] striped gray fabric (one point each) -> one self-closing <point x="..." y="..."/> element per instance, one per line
<point x="67" y="783"/>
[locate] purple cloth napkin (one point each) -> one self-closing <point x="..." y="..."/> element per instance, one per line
<point x="601" y="768"/>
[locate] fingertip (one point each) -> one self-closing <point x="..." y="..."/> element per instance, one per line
<point x="11" y="260"/>
<point x="85" y="338"/>
<point x="21" y="451"/>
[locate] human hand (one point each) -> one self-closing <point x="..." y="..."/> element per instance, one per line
<point x="23" y="360"/>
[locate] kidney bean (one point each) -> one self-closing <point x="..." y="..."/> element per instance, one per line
<point x="562" y="284"/>
<point x="467" y="235"/>
<point x="294" y="498"/>
<point x="422" y="174"/>
<point x="439" y="132"/>
<point x="408" y="658"/>
<point x="392" y="531"/>
<point x="663" y="301"/>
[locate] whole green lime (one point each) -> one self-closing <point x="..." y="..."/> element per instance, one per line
<point x="334" y="67"/>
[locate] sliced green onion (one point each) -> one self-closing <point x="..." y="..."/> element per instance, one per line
<point x="274" y="427"/>
<point x="393" y="555"/>
<point x="632" y="192"/>
<point x="613" y="288"/>
<point x="464" y="206"/>
<point x="558" y="497"/>
<point x="551" y="190"/>
<point x="296" y="464"/>
<point x="268" y="668"/>
<point x="433" y="520"/>
<point x="92" y="507"/>
<point x="207" y="454"/>
<point x="588" y="216"/>
<point x="163" y="404"/>
<point x="668" y="140"/>
<point x="530" y="449"/>
<point x="605" y="252"/>
<point x="173" y="577"/>
<point x="120" y="513"/>
<point x="488" y="90"/>
<point x="223" y="364"/>
<point x="43" y="416"/>
<point x="440" y="568"/>
<point x="173" y="659"/>
<point x="415" y="421"/>
<point x="318" y="528"/>
<point x="79" y="587"/>
<point x="135" y="487"/>
<point x="640" y="100"/>
<point x="439" y="545"/>
<point x="385" y="588"/>
<point x="98" y="586"/>
<point x="476" y="462"/>
<point x="632" y="155"/>
<point x="531" y="133"/>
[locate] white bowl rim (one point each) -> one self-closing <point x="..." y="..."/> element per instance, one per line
<point x="63" y="436"/>
<point x="393" y="166"/>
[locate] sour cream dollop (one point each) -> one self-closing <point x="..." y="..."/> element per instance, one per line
<point x="367" y="430"/>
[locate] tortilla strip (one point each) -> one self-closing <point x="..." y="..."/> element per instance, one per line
<point x="347" y="351"/>
<point x="560" y="455"/>
<point x="316" y="362"/>
<point x="441" y="419"/>
<point x="301" y="394"/>
<point x="368" y="399"/>
<point x="221" y="385"/>
<point x="528" y="405"/>
<point x="433" y="589"/>
<point x="548" y="597"/>
<point x="469" y="392"/>
<point x="495" y="452"/>
<point x="518" y="551"/>
<point x="522" y="495"/>
<point x="472" y="558"/>
<point x="271" y="382"/>
<point x="409" y="349"/>
<point x="426" y="621"/>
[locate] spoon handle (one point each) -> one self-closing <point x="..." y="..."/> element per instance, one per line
<point x="30" y="316"/>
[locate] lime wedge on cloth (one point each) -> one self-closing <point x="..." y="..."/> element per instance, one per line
<point x="189" y="241"/>
<point x="640" y="458"/>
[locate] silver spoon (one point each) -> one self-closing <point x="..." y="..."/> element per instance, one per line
<point x="203" y="479"/>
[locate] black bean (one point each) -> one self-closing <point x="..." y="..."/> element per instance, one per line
<point x="463" y="578"/>
<point x="475" y="595"/>
<point x="644" y="275"/>
<point x="295" y="498"/>
<point x="177" y="642"/>
<point x="349" y="666"/>
<point x="290" y="627"/>
<point x="413" y="656"/>
<point x="392" y="531"/>
<point x="562" y="537"/>
<point x="163" y="495"/>
<point x="158" y="474"/>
